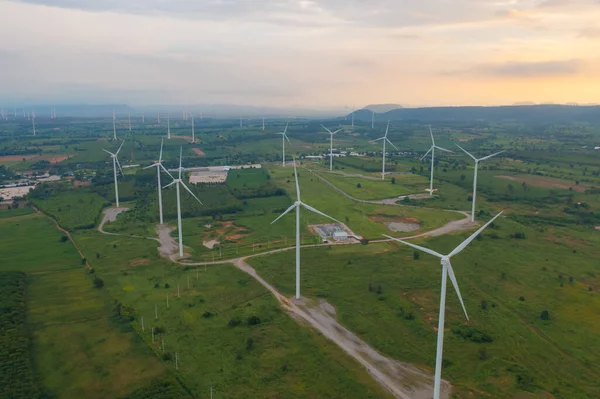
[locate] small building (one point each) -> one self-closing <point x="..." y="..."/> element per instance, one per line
<point x="340" y="235"/>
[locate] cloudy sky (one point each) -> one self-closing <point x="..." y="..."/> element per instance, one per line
<point x="318" y="53"/>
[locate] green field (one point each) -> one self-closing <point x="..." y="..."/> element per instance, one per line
<point x="526" y="352"/>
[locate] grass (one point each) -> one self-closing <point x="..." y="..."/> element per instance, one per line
<point x="31" y="243"/>
<point x="209" y="350"/>
<point x="9" y="213"/>
<point x="73" y="208"/>
<point x="79" y="351"/>
<point x="525" y="350"/>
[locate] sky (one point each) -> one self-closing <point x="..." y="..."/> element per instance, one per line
<point x="300" y="53"/>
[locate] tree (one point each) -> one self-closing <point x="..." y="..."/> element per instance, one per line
<point x="510" y="188"/>
<point x="393" y="180"/>
<point x="379" y="290"/>
<point x="416" y="255"/>
<point x="83" y="261"/>
<point x="482" y="353"/>
<point x="358" y="185"/>
<point x="462" y="177"/>
<point x="545" y="315"/>
<point x="522" y="298"/>
<point x="484" y="305"/>
<point x="98" y="282"/>
<point x="253" y="321"/>
<point x="64" y="239"/>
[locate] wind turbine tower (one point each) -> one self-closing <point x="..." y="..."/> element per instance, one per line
<point x="115" y="164"/>
<point x="168" y="127"/>
<point x="129" y="116"/>
<point x="432" y="150"/>
<point x="475" y="176"/>
<point x="385" y="139"/>
<point x="353" y="116"/>
<point x="373" y="120"/>
<point x="114" y="126"/>
<point x="33" y="121"/>
<point x="158" y="165"/>
<point x="283" y="138"/>
<point x="179" y="182"/>
<point x="193" y="130"/>
<point x="331" y="146"/>
<point x="297" y="205"/>
<point x="263" y="126"/>
<point x="447" y="271"/>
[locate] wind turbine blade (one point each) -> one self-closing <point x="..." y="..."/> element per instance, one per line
<point x="337" y="131"/>
<point x="493" y="155"/>
<point x="468" y="240"/>
<point x="190" y="191"/>
<point x="455" y="284"/>
<point x="427" y="153"/>
<point x="381" y="138"/>
<point x="296" y="177"/>
<point x="162" y="140"/>
<point x="286" y="126"/>
<point x="284" y="213"/>
<point x="120" y="168"/>
<point x="420" y="248"/>
<point x="466" y="152"/>
<point x="387" y="129"/>
<point x="152" y="166"/>
<point x="392" y="144"/>
<point x="170" y="184"/>
<point x="180" y="160"/>
<point x="121" y="146"/>
<point x="108" y="152"/>
<point x="287" y="138"/>
<point x="310" y="208"/>
<point x="165" y="169"/>
<point x="431" y="132"/>
<point x="443" y="149"/>
<point x="330" y="132"/>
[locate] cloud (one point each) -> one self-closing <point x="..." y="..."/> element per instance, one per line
<point x="534" y="69"/>
<point x="525" y="69"/>
<point x="592" y="32"/>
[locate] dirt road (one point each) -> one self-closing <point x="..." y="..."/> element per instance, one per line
<point x="168" y="246"/>
<point x="110" y="215"/>
<point x="402" y="380"/>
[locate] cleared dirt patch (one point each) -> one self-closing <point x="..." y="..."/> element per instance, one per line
<point x="198" y="151"/>
<point x="16" y="158"/>
<point x="55" y="159"/>
<point x="50" y="158"/>
<point x="398" y="224"/>
<point x="138" y="262"/>
<point x="541" y="181"/>
<point x="81" y="183"/>
<point x="210" y="244"/>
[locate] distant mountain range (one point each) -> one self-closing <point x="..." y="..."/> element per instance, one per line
<point x="381" y="108"/>
<point x="522" y="113"/>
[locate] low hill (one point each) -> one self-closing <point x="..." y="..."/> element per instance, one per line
<point x="381" y="108"/>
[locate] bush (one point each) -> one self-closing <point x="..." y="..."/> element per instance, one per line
<point x="471" y="333"/>
<point x="416" y="255"/>
<point x="64" y="239"/>
<point x="207" y="315"/>
<point x="234" y="322"/>
<point x="253" y="321"/>
<point x="98" y="282"/>
<point x="545" y="315"/>
<point x="364" y="241"/>
<point x="522" y="298"/>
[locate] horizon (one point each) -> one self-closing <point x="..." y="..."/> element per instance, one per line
<point x="301" y="54"/>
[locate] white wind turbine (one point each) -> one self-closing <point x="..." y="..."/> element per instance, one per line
<point x="193" y="130"/>
<point x="372" y="119"/>
<point x="263" y="127"/>
<point x="129" y="116"/>
<point x="115" y="163"/>
<point x="385" y="139"/>
<point x="297" y="206"/>
<point x="158" y="165"/>
<point x="475" y="177"/>
<point x="432" y="150"/>
<point x="284" y="137"/>
<point x="447" y="271"/>
<point x="179" y="182"/>
<point x="331" y="146"/>
<point x="114" y="126"/>
<point x="168" y="127"/>
<point x="33" y="121"/>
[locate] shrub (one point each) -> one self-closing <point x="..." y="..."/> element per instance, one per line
<point x="253" y="321"/>
<point x="64" y="239"/>
<point x="98" y="282"/>
<point x="207" y="315"/>
<point x="416" y="255"/>
<point x="545" y="315"/>
<point x="473" y="334"/>
<point x="234" y="322"/>
<point x="522" y="298"/>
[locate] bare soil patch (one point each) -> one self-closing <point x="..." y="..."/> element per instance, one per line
<point x="198" y="151"/>
<point x="81" y="183"/>
<point x="168" y="246"/>
<point x="55" y="159"/>
<point x="138" y="262"/>
<point x="541" y="181"/>
<point x="16" y="158"/>
<point x="210" y="244"/>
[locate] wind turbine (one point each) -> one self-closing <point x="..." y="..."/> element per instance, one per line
<point x="129" y="116"/>
<point x="385" y="139"/>
<point x="33" y="121"/>
<point x="263" y="127"/>
<point x="114" y="126"/>
<point x="193" y="130"/>
<point x="179" y="182"/>
<point x="331" y="146"/>
<point x="447" y="271"/>
<point x="432" y="150"/>
<point x="475" y="176"/>
<point x="159" y="166"/>
<point x="168" y="127"/>
<point x="372" y="119"/>
<point x="352" y="115"/>
<point x="297" y="206"/>
<point x="284" y="137"/>
<point x="158" y="117"/>
<point x="115" y="163"/>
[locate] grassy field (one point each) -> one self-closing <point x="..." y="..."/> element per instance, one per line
<point x="72" y="208"/>
<point x="553" y="270"/>
<point x="201" y="326"/>
<point x="31" y="243"/>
